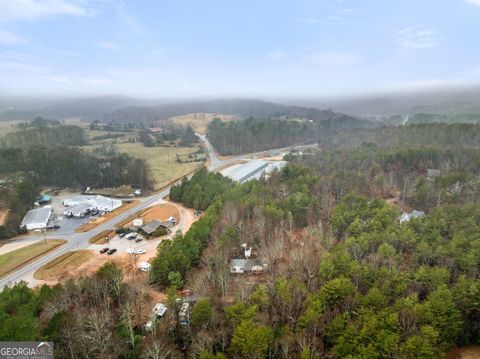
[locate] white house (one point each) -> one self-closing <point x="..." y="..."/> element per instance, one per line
<point x="37" y="218"/>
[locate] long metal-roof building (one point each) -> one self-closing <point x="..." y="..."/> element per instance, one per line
<point x="252" y="169"/>
<point x="37" y="218"/>
<point x="242" y="173"/>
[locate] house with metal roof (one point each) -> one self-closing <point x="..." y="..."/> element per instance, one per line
<point x="37" y="218"/>
<point x="152" y="226"/>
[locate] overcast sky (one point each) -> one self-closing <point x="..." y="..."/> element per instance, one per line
<point x="168" y="48"/>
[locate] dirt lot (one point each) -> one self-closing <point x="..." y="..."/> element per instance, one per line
<point x="160" y="212"/>
<point x="93" y="224"/>
<point x="3" y="215"/>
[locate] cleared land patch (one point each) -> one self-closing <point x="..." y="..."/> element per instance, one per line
<point x="19" y="257"/>
<point x="199" y="121"/>
<point x="161" y="161"/>
<point x="62" y="265"/>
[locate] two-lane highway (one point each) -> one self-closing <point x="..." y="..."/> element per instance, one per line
<point x="76" y="241"/>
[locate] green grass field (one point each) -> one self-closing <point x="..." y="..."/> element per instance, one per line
<point x="64" y="263"/>
<point x="19" y="257"/>
<point x="161" y="161"/>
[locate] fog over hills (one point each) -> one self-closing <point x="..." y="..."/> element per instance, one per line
<point x="120" y="108"/>
<point x="450" y="101"/>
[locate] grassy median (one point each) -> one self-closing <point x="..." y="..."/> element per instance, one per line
<point x="19" y="257"/>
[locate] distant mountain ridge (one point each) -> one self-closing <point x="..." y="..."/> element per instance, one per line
<point x="124" y="109"/>
<point x="241" y="107"/>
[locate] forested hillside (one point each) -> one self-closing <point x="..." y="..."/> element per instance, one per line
<point x="37" y="136"/>
<point x="439" y="134"/>
<point x="342" y="277"/>
<point x="253" y="135"/>
<point x="241" y="107"/>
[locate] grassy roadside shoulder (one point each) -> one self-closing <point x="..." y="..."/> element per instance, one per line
<point x="18" y="258"/>
<point x="62" y="264"/>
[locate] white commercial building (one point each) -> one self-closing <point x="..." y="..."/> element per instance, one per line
<point x="103" y="204"/>
<point x="252" y="169"/>
<point x="79" y="210"/>
<point x="37" y="218"/>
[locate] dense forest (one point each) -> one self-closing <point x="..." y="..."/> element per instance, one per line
<point x="347" y="281"/>
<point x="253" y="135"/>
<point x="201" y="190"/>
<point x="62" y="166"/>
<point x="69" y="166"/>
<point x="37" y="136"/>
<point x="439" y="134"/>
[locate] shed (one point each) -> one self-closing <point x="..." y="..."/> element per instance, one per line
<point x="37" y="218"/>
<point x="152" y="226"/>
<point x="138" y="222"/>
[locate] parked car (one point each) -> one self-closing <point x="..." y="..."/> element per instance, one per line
<point x="121" y="235"/>
<point x="131" y="236"/>
<point x="103" y="250"/>
<point x="145" y="266"/>
<point x="138" y="239"/>
<point x="111" y="251"/>
<point x="135" y="251"/>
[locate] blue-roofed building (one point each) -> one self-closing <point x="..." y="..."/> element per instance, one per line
<point x="44" y="199"/>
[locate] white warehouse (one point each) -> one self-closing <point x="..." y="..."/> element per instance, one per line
<point x="37" y="218"/>
<point x="101" y="203"/>
<point x="252" y="169"/>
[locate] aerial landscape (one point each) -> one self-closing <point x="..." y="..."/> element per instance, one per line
<point x="239" y="179"/>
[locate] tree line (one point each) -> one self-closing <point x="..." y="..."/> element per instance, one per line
<point x="54" y="136"/>
<point x="254" y="135"/>
<point x="435" y="134"/>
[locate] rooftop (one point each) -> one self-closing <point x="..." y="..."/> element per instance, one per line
<point x="37" y="215"/>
